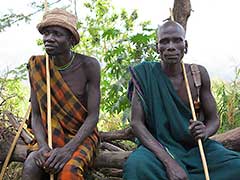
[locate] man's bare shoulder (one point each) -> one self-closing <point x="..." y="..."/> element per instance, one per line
<point x="204" y="75"/>
<point x="203" y="71"/>
<point x="88" y="61"/>
<point x="201" y="68"/>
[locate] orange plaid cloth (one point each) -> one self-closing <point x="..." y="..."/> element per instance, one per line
<point x="68" y="114"/>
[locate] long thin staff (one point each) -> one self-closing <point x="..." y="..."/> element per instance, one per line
<point x="200" y="146"/>
<point x="49" y="121"/>
<point x="5" y="164"/>
<point x="49" y="118"/>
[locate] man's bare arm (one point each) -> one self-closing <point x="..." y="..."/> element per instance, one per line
<point x="60" y="156"/>
<point x="38" y="131"/>
<point x="93" y="102"/>
<point x="208" y="104"/>
<point x="211" y="122"/>
<point x="174" y="171"/>
<point x="37" y="125"/>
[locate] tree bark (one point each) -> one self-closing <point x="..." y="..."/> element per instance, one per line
<point x="25" y="135"/>
<point x="125" y="134"/>
<point x="110" y="160"/>
<point x="230" y="139"/>
<point x="182" y="11"/>
<point x="116" y="159"/>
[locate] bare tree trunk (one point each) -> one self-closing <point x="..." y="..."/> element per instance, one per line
<point x="116" y="158"/>
<point x="230" y="139"/>
<point x="182" y="11"/>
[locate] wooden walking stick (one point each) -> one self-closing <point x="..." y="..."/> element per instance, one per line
<point x="200" y="145"/>
<point x="5" y="164"/>
<point x="49" y="118"/>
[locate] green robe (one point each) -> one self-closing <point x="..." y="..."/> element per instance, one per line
<point x="167" y="119"/>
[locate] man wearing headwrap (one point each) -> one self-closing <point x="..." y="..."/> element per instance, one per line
<point x="75" y="98"/>
<point x="161" y="119"/>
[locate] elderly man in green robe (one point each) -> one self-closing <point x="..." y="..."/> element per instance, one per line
<point x="162" y="120"/>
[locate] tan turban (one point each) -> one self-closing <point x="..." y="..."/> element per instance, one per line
<point x="62" y="18"/>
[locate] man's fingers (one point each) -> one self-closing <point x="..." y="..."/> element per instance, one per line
<point x="37" y="161"/>
<point x="59" y="166"/>
<point x="192" y="124"/>
<point x="53" y="163"/>
<point x="196" y="124"/>
<point x="50" y="160"/>
<point x="46" y="154"/>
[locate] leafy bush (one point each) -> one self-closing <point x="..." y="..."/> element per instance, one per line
<point x="111" y="37"/>
<point x="14" y="94"/>
<point x="227" y="96"/>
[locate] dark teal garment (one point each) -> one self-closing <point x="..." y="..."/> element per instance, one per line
<point x="167" y="118"/>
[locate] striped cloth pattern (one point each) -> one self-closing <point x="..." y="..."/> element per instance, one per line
<point x="68" y="114"/>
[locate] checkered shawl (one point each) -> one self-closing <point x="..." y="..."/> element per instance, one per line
<point x="68" y="114"/>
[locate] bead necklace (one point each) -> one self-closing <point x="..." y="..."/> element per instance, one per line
<point x="65" y="66"/>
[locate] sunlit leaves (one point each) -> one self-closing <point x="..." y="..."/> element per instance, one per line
<point x="10" y="18"/>
<point x="110" y="33"/>
<point x="14" y="95"/>
<point x="112" y="38"/>
<point x="228" y="102"/>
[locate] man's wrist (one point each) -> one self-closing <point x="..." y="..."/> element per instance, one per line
<point x="169" y="163"/>
<point x="43" y="145"/>
<point x="70" y="148"/>
<point x="166" y="159"/>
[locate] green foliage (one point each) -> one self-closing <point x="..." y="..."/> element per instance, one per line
<point x="14" y="171"/>
<point x="11" y="18"/>
<point x="111" y="122"/>
<point x="14" y="94"/>
<point x="228" y="100"/>
<point x="111" y="37"/>
<point x="118" y="41"/>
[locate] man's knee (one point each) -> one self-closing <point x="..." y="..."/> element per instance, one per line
<point x="141" y="160"/>
<point x="29" y="162"/>
<point x="30" y="169"/>
<point x="30" y="165"/>
<point x="136" y="163"/>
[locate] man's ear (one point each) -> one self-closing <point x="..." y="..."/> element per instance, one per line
<point x="156" y="46"/>
<point x="73" y="41"/>
<point x="186" y="47"/>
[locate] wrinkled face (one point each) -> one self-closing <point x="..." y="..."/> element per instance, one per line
<point x="171" y="43"/>
<point x="57" y="40"/>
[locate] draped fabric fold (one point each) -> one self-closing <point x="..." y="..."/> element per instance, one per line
<point x="68" y="114"/>
<point x="167" y="119"/>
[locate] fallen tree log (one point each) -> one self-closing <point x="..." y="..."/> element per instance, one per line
<point x="115" y="159"/>
<point x="230" y="139"/>
<point x="111" y="157"/>
<point x="26" y="136"/>
<point x="124" y="134"/>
